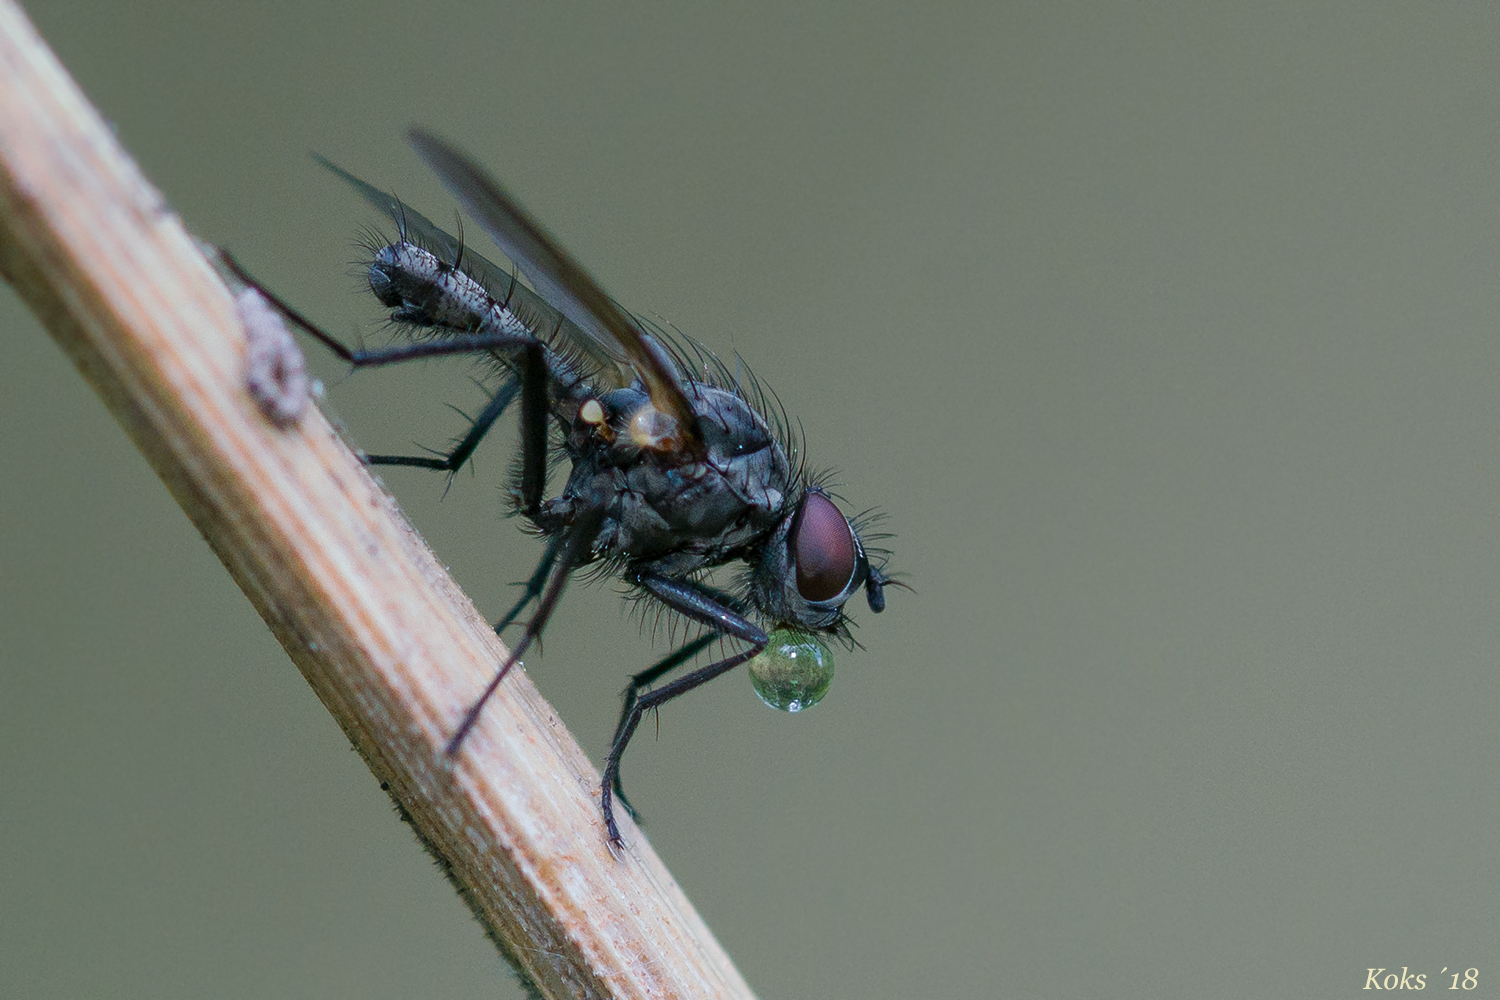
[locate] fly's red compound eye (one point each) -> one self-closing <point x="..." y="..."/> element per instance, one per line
<point x="826" y="553"/>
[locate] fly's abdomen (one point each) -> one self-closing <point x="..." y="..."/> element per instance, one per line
<point x="423" y="290"/>
<point x="426" y="291"/>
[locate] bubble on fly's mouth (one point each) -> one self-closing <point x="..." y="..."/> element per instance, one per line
<point x="793" y="672"/>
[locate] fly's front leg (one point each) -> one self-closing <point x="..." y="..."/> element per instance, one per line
<point x="650" y="676"/>
<point x="702" y="606"/>
<point x="645" y="679"/>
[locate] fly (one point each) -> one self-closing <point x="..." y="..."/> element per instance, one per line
<point x="678" y="465"/>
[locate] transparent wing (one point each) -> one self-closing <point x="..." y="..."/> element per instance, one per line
<point x="562" y="282"/>
<point x="612" y="364"/>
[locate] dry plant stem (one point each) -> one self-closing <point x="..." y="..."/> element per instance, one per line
<point x="385" y="638"/>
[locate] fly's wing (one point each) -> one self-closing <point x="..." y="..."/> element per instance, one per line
<point x="534" y="310"/>
<point x="562" y="281"/>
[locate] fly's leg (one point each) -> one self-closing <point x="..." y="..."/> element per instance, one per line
<point x="579" y="539"/>
<point x="474" y="323"/>
<point x="430" y="293"/>
<point x="533" y="471"/>
<point x="704" y="607"/>
<point x="648" y="701"/>
<point x="645" y="679"/>
<point x="648" y="677"/>
<point x="535" y="584"/>
<point x="531" y="385"/>
<point x="534" y="409"/>
<point x="482" y="336"/>
<point x="467" y="343"/>
<point x="464" y="447"/>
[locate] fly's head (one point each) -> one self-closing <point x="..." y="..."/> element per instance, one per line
<point x="812" y="563"/>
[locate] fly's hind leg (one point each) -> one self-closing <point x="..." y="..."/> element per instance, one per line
<point x="472" y="323"/>
<point x="475" y="338"/>
<point x="464" y="447"/>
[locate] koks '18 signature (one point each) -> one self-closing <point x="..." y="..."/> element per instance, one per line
<point x="1380" y="979"/>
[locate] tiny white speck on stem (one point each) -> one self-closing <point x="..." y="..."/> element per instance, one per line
<point x="275" y="370"/>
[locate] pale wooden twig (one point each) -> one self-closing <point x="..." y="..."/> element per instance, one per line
<point x="383" y="635"/>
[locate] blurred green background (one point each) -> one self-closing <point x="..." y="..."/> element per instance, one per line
<point x="1166" y="335"/>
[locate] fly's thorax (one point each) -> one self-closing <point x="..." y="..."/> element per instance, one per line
<point x="736" y="490"/>
<point x="692" y="512"/>
<point x="624" y="427"/>
<point x="675" y="510"/>
<point x="742" y="449"/>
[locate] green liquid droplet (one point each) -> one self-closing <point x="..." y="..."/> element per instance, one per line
<point x="793" y="672"/>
